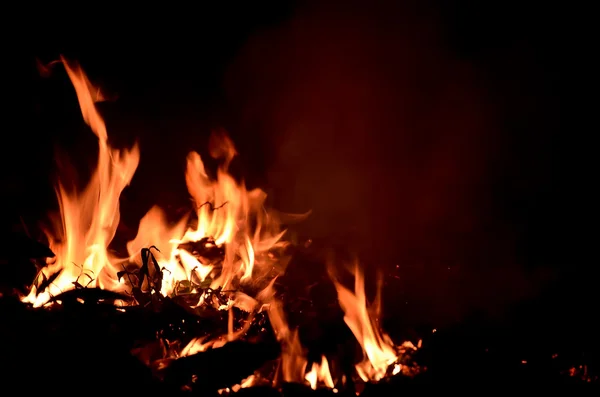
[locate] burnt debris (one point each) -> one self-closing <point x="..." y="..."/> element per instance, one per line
<point x="99" y="339"/>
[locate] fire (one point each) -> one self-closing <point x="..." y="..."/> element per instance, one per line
<point x="227" y="215"/>
<point x="319" y="373"/>
<point x="293" y="362"/>
<point x="380" y="353"/>
<point x="224" y="255"/>
<point x="89" y="218"/>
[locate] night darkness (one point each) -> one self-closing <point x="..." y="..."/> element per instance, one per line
<point x="434" y="140"/>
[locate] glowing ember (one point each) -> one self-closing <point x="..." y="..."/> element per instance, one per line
<point x="225" y="256"/>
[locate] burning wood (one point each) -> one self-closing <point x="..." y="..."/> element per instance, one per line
<point x="203" y="288"/>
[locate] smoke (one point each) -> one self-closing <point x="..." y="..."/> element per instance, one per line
<point x="391" y="141"/>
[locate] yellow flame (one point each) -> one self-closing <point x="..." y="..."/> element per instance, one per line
<point x="89" y="218"/>
<point x="227" y="214"/>
<point x="319" y="374"/>
<point x="379" y="350"/>
<point x="228" y="218"/>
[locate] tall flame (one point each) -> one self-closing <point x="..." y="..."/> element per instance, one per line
<point x="89" y="218"/>
<point x="380" y="353"/>
<point x="227" y="243"/>
<point x="228" y="217"/>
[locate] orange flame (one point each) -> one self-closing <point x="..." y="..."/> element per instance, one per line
<point x="319" y="374"/>
<point x="228" y="215"/>
<point x="89" y="218"/>
<point x="379" y="350"/>
<point x="293" y="361"/>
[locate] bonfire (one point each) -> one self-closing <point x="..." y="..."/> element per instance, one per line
<point x="213" y="275"/>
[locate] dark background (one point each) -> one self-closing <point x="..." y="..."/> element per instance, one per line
<point x="435" y="140"/>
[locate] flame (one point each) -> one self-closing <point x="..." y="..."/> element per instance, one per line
<point x="225" y="244"/>
<point x="293" y="362"/>
<point x="89" y="218"/>
<point x="228" y="218"/>
<point x="227" y="215"/>
<point x="244" y="384"/>
<point x="380" y="353"/>
<point x="319" y="373"/>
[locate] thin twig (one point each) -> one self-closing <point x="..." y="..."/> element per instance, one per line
<point x="128" y="277"/>
<point x="212" y="207"/>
